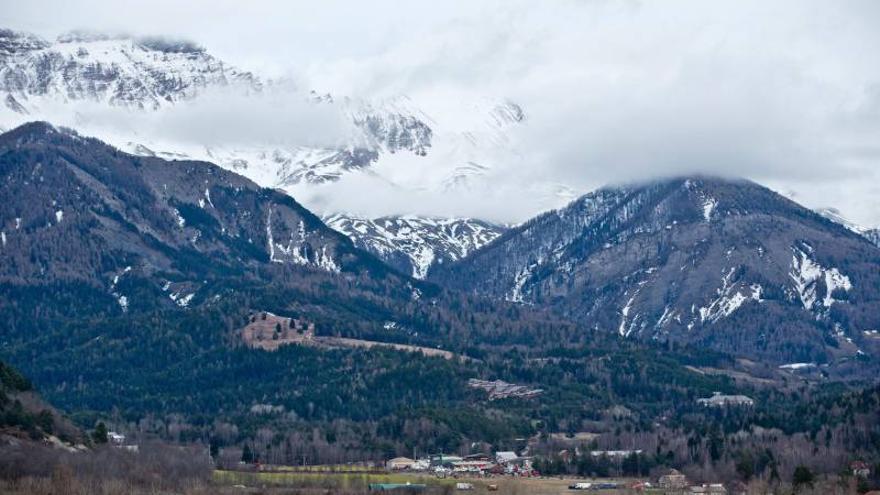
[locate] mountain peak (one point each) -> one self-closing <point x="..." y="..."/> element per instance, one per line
<point x="690" y="259"/>
<point x="33" y="131"/>
<point x="78" y="199"/>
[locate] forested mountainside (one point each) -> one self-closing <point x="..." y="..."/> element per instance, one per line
<point x="723" y="263"/>
<point x="24" y="416"/>
<point x="127" y="282"/>
<point x="135" y="228"/>
<point x="413" y="244"/>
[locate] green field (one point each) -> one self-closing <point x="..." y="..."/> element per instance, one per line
<point x="317" y="479"/>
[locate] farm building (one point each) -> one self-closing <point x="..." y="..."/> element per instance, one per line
<point x="115" y="438"/>
<point x="505" y="457"/>
<point x="673" y="480"/>
<point x="400" y="463"/>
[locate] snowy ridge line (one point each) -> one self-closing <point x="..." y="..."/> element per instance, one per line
<point x="421" y="242"/>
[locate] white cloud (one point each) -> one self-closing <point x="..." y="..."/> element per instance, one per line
<point x="784" y="92"/>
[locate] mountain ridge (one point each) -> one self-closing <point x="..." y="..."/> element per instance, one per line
<point x="82" y="211"/>
<point x="415" y="244"/>
<point x="641" y="259"/>
<point x="833" y="214"/>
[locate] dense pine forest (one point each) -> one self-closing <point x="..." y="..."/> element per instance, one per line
<point x="185" y="376"/>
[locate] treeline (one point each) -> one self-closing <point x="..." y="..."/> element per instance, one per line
<point x="37" y="469"/>
<point x="183" y="375"/>
<point x="14" y="415"/>
<point x="821" y="431"/>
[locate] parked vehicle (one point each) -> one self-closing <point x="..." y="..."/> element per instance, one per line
<point x="580" y="486"/>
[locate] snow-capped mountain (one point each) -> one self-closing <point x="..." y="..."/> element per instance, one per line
<point x="834" y="215"/>
<point x="116" y="70"/>
<point x="415" y="245"/>
<point x="395" y="139"/>
<point x="723" y="263"/>
<point x="36" y="76"/>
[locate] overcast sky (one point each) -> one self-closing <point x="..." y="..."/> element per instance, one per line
<point x="783" y="92"/>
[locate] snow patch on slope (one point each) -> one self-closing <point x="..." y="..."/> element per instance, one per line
<point x="709" y="205"/>
<point x="423" y="241"/>
<point x="731" y="296"/>
<point x="623" y="329"/>
<point x="519" y="282"/>
<point x="806" y="274"/>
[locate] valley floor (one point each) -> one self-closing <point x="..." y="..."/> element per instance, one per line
<point x="356" y="483"/>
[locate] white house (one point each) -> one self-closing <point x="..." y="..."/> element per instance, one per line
<point x="115" y="438"/>
<point x="720" y="400"/>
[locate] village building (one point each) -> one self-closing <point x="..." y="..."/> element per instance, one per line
<point x="444" y="460"/>
<point x="720" y="400"/>
<point x="115" y="438"/>
<point x="673" y="480"/>
<point x="480" y="456"/>
<point x="860" y="469"/>
<point x="471" y="466"/>
<point x="399" y="463"/>
<point x="505" y="457"/>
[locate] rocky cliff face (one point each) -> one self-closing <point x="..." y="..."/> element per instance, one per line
<point x="727" y="263"/>
<point x="145" y="73"/>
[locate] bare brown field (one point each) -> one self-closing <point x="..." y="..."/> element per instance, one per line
<point x="268" y="331"/>
<point x="353" y="482"/>
<point x="367" y="344"/>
